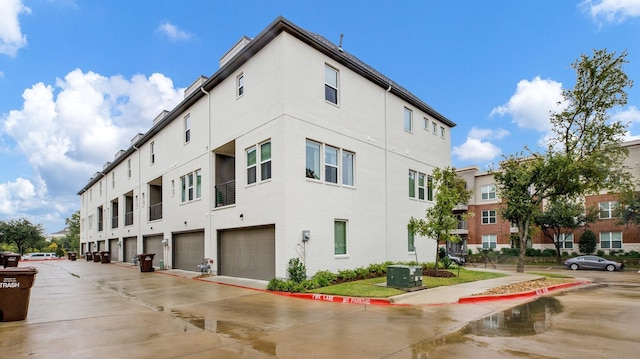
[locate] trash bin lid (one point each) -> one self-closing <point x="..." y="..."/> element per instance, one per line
<point x="11" y="271"/>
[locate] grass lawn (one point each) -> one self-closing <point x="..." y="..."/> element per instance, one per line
<point x="370" y="288"/>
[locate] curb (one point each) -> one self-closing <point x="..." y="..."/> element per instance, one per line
<point x="521" y="295"/>
<point x="338" y="298"/>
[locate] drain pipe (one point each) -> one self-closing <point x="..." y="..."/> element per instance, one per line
<point x="211" y="169"/>
<point x="386" y="175"/>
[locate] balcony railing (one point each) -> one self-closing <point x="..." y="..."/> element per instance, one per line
<point x="114" y="222"/>
<point x="155" y="211"/>
<point x="128" y="218"/>
<point x="225" y="193"/>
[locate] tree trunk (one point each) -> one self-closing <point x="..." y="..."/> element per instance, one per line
<point x="437" y="254"/>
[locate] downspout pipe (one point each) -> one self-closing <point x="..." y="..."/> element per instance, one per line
<point x="211" y="169"/>
<point x="386" y="174"/>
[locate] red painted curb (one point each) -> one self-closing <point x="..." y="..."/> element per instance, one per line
<point x="337" y="298"/>
<point x="528" y="294"/>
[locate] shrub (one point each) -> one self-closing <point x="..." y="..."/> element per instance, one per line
<point x="600" y="253"/>
<point x="297" y="271"/>
<point x="548" y="252"/>
<point x="276" y="285"/>
<point x="446" y="262"/>
<point x="347" y="274"/>
<point x="324" y="278"/>
<point x="587" y="242"/>
<point x="377" y="269"/>
<point x="362" y="273"/>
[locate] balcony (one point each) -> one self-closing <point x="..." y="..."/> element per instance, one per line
<point x="462" y="228"/>
<point x="128" y="218"/>
<point x="155" y="211"/>
<point x="114" y="222"/>
<point x="225" y="193"/>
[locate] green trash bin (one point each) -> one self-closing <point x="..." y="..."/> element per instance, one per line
<point x="15" y="290"/>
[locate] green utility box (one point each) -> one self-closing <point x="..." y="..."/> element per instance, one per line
<point x="401" y="276"/>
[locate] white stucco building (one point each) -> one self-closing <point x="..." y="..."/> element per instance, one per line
<point x="292" y="148"/>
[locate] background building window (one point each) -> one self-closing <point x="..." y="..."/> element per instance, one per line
<point x="611" y="240"/>
<point x="489" y="241"/>
<point x="331" y="84"/>
<point x="609" y="210"/>
<point x="340" y="237"/>
<point x="566" y="240"/>
<point x="488" y="192"/>
<point x="489" y="217"/>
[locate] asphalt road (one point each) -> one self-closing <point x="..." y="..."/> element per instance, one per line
<point x="90" y="310"/>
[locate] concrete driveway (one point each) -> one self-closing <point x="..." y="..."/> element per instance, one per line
<point x="84" y="309"/>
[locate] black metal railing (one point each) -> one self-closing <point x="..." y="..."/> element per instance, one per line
<point x="225" y="193"/>
<point x="128" y="218"/>
<point x="114" y="222"/>
<point x="155" y="211"/>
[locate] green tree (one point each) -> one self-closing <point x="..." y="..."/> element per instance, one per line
<point x="630" y="208"/>
<point x="561" y="217"/>
<point x="72" y="240"/>
<point x="583" y="157"/>
<point x="21" y="233"/>
<point x="440" y="220"/>
<point x="588" y="242"/>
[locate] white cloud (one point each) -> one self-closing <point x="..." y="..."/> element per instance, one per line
<point x="20" y="195"/>
<point x="68" y="131"/>
<point x="475" y="149"/>
<point x="532" y="103"/>
<point x="630" y="115"/>
<point x="11" y="37"/>
<point x="173" y="32"/>
<point x="614" y="11"/>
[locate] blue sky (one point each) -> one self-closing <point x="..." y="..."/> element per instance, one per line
<point x="78" y="79"/>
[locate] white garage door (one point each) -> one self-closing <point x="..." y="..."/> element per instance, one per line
<point x="153" y="244"/>
<point x="188" y="250"/>
<point x="114" y="250"/>
<point x="248" y="252"/>
<point x="130" y="248"/>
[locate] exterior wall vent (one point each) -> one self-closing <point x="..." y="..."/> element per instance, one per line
<point x="194" y="86"/>
<point x="160" y="116"/>
<point x="118" y="154"/>
<point x="107" y="164"/>
<point x="244" y="41"/>
<point x="135" y="139"/>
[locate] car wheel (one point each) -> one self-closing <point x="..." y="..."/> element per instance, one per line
<point x="573" y="266"/>
<point x="611" y="267"/>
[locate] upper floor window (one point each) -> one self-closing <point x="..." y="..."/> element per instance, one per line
<point x="609" y="210"/>
<point x="259" y="154"/>
<point x="152" y="151"/>
<point x="339" y="164"/>
<point x="442" y="132"/>
<point x="412" y="184"/>
<point x="191" y="186"/>
<point x="187" y="129"/>
<point x="488" y="191"/>
<point x="240" y="85"/>
<point x="489" y="217"/>
<point x="434" y="128"/>
<point x="408" y="119"/>
<point x="330" y="84"/>
<point x="426" y="123"/>
<point x="129" y="168"/>
<point x="113" y="179"/>
<point x="423" y="183"/>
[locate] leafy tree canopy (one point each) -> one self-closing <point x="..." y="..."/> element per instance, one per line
<point x="21" y="232"/>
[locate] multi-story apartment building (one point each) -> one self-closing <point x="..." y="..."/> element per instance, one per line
<point x="486" y="230"/>
<point x="292" y="148"/>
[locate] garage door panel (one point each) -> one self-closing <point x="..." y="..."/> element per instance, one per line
<point x="130" y="248"/>
<point x="153" y="244"/>
<point x="248" y="253"/>
<point x="114" y="250"/>
<point x="188" y="250"/>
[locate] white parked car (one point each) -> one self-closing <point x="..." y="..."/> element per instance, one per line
<point x="38" y="256"/>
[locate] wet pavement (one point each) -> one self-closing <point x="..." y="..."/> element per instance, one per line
<point x="82" y="309"/>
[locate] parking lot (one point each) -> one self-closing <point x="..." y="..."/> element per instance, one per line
<point x="83" y="309"/>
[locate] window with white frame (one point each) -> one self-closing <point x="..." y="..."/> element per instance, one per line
<point x="173" y="188"/>
<point x="338" y="164"/>
<point x="152" y="152"/>
<point x="609" y="210"/>
<point x="489" y="241"/>
<point x="330" y="84"/>
<point x="340" y="237"/>
<point x="240" y="85"/>
<point x="488" y="191"/>
<point x="261" y="154"/>
<point x="442" y="131"/>
<point x="421" y="185"/>
<point x="408" y="120"/>
<point x="434" y="128"/>
<point x="100" y="188"/>
<point x="411" y="241"/>
<point x="412" y="184"/>
<point x="191" y="186"/>
<point x="566" y="240"/>
<point x="489" y="217"/>
<point x="113" y="179"/>
<point x="426" y="123"/>
<point x="129" y="168"/>
<point x="187" y="129"/>
<point x="611" y="240"/>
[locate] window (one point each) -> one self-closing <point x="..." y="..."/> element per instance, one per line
<point x="442" y="132"/>
<point x="340" y="237"/>
<point x="430" y="188"/>
<point x="129" y="168"/>
<point x="411" y="244"/>
<point x="113" y="180"/>
<point x="152" y="149"/>
<point x="426" y="123"/>
<point x="421" y="184"/>
<point x="240" y="84"/>
<point x="187" y="129"/>
<point x="330" y="84"/>
<point x="265" y="162"/>
<point x="434" y="128"/>
<point x="339" y="164"/>
<point x="609" y="210"/>
<point x="100" y="188"/>
<point x="566" y="240"/>
<point x="173" y="188"/>
<point x="611" y="240"/>
<point x="313" y="160"/>
<point x="408" y="119"/>
<point x="251" y="165"/>
<point x="489" y="241"/>
<point x="331" y="164"/>
<point x="191" y="186"/>
<point x="348" y="168"/>
<point x="412" y="184"/>
<point x="488" y="192"/>
<point x="489" y="217"/>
